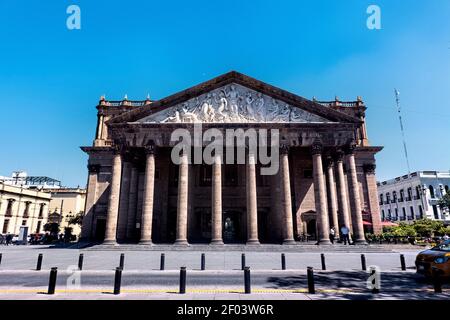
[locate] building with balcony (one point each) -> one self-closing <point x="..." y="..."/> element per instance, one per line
<point x="414" y="196"/>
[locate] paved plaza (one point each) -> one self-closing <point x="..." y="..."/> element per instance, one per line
<point x="222" y="279"/>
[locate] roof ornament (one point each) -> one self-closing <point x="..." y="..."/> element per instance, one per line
<point x="126" y="97"/>
<point x="147" y="101"/>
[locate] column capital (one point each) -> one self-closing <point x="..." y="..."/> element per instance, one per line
<point x="284" y="149"/>
<point x="93" y="168"/>
<point x="150" y="149"/>
<point x="329" y="162"/>
<point x="339" y="155"/>
<point x="350" y="148"/>
<point x="369" y="168"/>
<point x="316" y="148"/>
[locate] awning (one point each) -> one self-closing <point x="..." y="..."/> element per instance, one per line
<point x="367" y="223"/>
<point x="388" y="224"/>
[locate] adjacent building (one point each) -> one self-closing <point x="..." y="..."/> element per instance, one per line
<point x="22" y="179"/>
<point x="136" y="193"/>
<point x="414" y="196"/>
<point x="22" y="207"/>
<point x="65" y="204"/>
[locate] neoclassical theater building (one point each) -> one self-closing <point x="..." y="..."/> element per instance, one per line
<point x="137" y="194"/>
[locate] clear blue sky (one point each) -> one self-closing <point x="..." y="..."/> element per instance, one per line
<point x="51" y="78"/>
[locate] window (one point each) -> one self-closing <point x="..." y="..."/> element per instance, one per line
<point x="389" y="214"/>
<point x="431" y="191"/>
<point x="435" y="212"/>
<point x="24" y="222"/>
<point x="38" y="227"/>
<point x="409" y="198"/>
<point x="402" y="195"/>
<point x="388" y="198"/>
<point x="9" y="208"/>
<point x="404" y="213"/>
<point x="394" y="195"/>
<point x="421" y="212"/>
<point x="41" y="210"/>
<point x="411" y="209"/>
<point x="383" y="217"/>
<point x="27" y="209"/>
<point x="446" y="189"/>
<point x="418" y="192"/>
<point x="381" y="199"/>
<point x="396" y="214"/>
<point x="5" y="226"/>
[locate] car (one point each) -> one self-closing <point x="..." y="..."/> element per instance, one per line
<point x="435" y="259"/>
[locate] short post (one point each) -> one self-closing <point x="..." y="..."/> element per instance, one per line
<point x="80" y="261"/>
<point x="39" y="262"/>
<point x="402" y="262"/>
<point x="311" y="287"/>
<point x="117" y="280"/>
<point x="52" y="280"/>
<point x="437" y="284"/>
<point x="203" y="262"/>
<point x="375" y="284"/>
<point x="182" y="280"/>
<point x="243" y="261"/>
<point x="283" y="261"/>
<point x="1" y="256"/>
<point x="322" y="259"/>
<point x="163" y="261"/>
<point x="122" y="260"/>
<point x="363" y="262"/>
<point x="247" y="287"/>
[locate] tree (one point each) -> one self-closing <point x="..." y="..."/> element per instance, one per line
<point x="403" y="230"/>
<point x="78" y="219"/>
<point x="53" y="228"/>
<point x="427" y="227"/>
<point x="444" y="203"/>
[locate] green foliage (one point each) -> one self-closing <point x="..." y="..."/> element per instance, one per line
<point x="419" y="228"/>
<point x="427" y="227"/>
<point x="78" y="219"/>
<point x="444" y="203"/>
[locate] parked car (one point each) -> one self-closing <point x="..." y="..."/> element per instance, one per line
<point x="435" y="259"/>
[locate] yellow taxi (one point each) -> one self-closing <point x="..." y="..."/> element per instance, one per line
<point x="436" y="258"/>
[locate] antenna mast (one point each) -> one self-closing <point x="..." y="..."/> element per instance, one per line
<point x="397" y="99"/>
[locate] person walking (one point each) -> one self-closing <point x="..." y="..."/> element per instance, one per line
<point x="8" y="239"/>
<point x="345" y="234"/>
<point x="332" y="234"/>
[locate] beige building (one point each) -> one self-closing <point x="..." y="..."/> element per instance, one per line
<point x="136" y="193"/>
<point x="22" y="207"/>
<point x="69" y="202"/>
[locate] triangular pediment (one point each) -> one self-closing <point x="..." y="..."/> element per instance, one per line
<point x="234" y="98"/>
<point x="233" y="103"/>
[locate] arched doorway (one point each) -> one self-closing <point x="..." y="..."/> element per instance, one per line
<point x="232" y="226"/>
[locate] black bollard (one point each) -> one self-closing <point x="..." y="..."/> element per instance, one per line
<point x="322" y="259"/>
<point x="52" y="280"/>
<point x="39" y="262"/>
<point x="117" y="280"/>
<point x="163" y="261"/>
<point x="247" y="287"/>
<point x="122" y="260"/>
<point x="80" y="261"/>
<point x="311" y="287"/>
<point x="437" y="284"/>
<point x="182" y="280"/>
<point x="243" y="261"/>
<point x="203" y="262"/>
<point x="283" y="261"/>
<point x="402" y="262"/>
<point x="1" y="256"/>
<point x="363" y="262"/>
<point x="373" y="272"/>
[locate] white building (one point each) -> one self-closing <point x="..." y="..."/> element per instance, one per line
<point x="414" y="196"/>
<point x="22" y="179"/>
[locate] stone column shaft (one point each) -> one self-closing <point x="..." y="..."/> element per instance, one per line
<point x="217" y="201"/>
<point x="147" y="207"/>
<point x="344" y="217"/>
<point x="132" y="203"/>
<point x="288" y="226"/>
<point x="323" y="226"/>
<point x="123" y="203"/>
<point x="252" y="206"/>
<point x="333" y="198"/>
<point x="357" y="222"/>
<point x="113" y="203"/>
<point x="91" y="198"/>
<point x="182" y="202"/>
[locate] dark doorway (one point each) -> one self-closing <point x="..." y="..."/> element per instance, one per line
<point x="100" y="229"/>
<point x="311" y="229"/>
<point x="232" y="226"/>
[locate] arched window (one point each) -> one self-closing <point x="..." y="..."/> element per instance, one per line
<point x="446" y="189"/>
<point x="431" y="191"/>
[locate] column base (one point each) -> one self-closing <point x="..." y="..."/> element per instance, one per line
<point x="324" y="242"/>
<point x="216" y="242"/>
<point x="253" y="242"/>
<point x="181" y="243"/>
<point x="146" y="242"/>
<point x="289" y="241"/>
<point x="361" y="242"/>
<point x="110" y="242"/>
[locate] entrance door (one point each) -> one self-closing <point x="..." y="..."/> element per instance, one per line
<point x="100" y="229"/>
<point x="231" y="226"/>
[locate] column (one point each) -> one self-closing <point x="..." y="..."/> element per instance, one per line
<point x="124" y="198"/>
<point x="147" y="206"/>
<point x="323" y="226"/>
<point x="252" y="207"/>
<point x="132" y="203"/>
<point x="288" y="227"/>
<point x="91" y="198"/>
<point x="343" y="217"/>
<point x="357" y="222"/>
<point x="217" y="201"/>
<point x="113" y="203"/>
<point x="374" y="206"/>
<point x="332" y="196"/>
<point x="182" y="205"/>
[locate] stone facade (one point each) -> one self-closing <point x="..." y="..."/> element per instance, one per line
<point x="137" y="194"/>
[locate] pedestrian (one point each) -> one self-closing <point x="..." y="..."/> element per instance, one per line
<point x="332" y="234"/>
<point x="8" y="239"/>
<point x="345" y="234"/>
